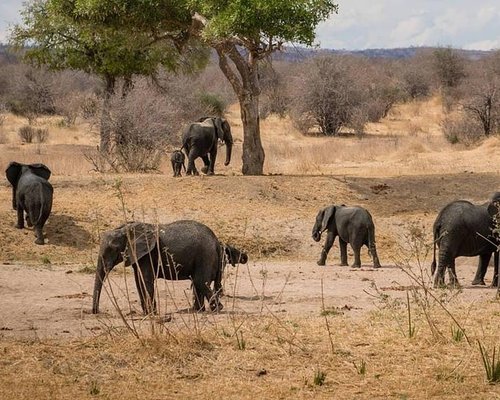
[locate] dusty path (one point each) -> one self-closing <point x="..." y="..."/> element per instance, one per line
<point x="55" y="301"/>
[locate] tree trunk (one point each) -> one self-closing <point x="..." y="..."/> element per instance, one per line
<point x="253" y="152"/>
<point x="105" y="131"/>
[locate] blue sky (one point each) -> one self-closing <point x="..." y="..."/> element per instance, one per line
<point x="363" y="24"/>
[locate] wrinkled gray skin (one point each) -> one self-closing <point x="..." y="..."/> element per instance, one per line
<point x="187" y="250"/>
<point x="459" y="230"/>
<point x="352" y="225"/>
<point x="200" y="140"/>
<point x="31" y="194"/>
<point x="177" y="159"/>
<point x="233" y="256"/>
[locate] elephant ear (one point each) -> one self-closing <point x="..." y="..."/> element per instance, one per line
<point x="41" y="170"/>
<point x="218" y="128"/>
<point x="13" y="172"/>
<point x="328" y="213"/>
<point x="141" y="239"/>
<point x="494" y="205"/>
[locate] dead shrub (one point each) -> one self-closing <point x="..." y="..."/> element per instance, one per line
<point x="26" y="133"/>
<point x="461" y="129"/>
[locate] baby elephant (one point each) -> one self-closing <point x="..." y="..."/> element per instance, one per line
<point x="31" y="194"/>
<point x="177" y="159"/>
<point x="233" y="256"/>
<point x="352" y="225"/>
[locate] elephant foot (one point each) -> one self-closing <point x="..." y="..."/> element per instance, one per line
<point x="320" y="262"/>
<point x="377" y="265"/>
<point x="40" y="241"/>
<point x="478" y="282"/>
<point x="204" y="169"/>
<point x="356" y="266"/>
<point x="28" y="222"/>
<point x="216" y="306"/>
<point x="20" y="226"/>
<point x="344" y="264"/>
<point x="210" y="173"/>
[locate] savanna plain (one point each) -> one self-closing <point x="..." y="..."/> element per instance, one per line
<point x="289" y="328"/>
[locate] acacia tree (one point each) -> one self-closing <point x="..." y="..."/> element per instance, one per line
<point x="244" y="32"/>
<point x="111" y="38"/>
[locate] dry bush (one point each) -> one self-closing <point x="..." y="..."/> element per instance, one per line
<point x="26" y="133"/>
<point x="274" y="98"/>
<point x="461" y="129"/>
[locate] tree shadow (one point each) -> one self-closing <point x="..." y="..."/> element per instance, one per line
<point x="62" y="230"/>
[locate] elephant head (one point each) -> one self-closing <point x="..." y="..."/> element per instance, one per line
<point x="235" y="256"/>
<point x="15" y="170"/>
<point x="223" y="131"/>
<point x="128" y="243"/>
<point x="322" y="221"/>
<point x="494" y="206"/>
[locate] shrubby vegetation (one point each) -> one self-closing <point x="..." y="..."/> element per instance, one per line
<point x="328" y="94"/>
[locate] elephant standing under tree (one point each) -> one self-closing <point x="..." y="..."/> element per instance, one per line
<point x="352" y="225"/>
<point x="31" y="194"/>
<point x="177" y="159"/>
<point x="465" y="229"/>
<point x="177" y="251"/>
<point x="200" y="140"/>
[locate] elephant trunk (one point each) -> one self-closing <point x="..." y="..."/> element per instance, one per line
<point x="100" y="276"/>
<point x="229" y="148"/>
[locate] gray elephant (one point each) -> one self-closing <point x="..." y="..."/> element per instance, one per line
<point x="181" y="250"/>
<point x="233" y="256"/>
<point x="465" y="229"/>
<point x="352" y="225"/>
<point x="177" y="158"/>
<point x="200" y="140"/>
<point x="31" y="194"/>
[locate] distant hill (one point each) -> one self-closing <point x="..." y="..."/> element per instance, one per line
<point x="301" y="53"/>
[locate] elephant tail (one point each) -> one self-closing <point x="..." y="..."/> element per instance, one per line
<point x="435" y="240"/>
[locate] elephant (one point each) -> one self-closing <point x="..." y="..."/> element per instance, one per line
<point x="352" y="224"/>
<point x="465" y="229"/>
<point x="31" y="194"/>
<point x="200" y="140"/>
<point x="233" y="256"/>
<point x="181" y="250"/>
<point x="177" y="159"/>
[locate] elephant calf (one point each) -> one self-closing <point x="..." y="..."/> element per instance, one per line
<point x="181" y="250"/>
<point x="177" y="158"/>
<point x="465" y="229"/>
<point x="352" y="225"/>
<point x="31" y="194"/>
<point x="233" y="256"/>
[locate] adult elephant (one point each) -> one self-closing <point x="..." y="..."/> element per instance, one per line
<point x="200" y="140"/>
<point x="352" y="225"/>
<point x="31" y="194"/>
<point x="181" y="250"/>
<point x="465" y="229"/>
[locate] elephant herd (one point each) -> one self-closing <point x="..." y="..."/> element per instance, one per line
<point x="189" y="250"/>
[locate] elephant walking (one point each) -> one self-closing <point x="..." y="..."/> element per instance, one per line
<point x="465" y="229"/>
<point x="181" y="250"/>
<point x="200" y="140"/>
<point x="177" y="159"/>
<point x="31" y="194"/>
<point x="352" y="225"/>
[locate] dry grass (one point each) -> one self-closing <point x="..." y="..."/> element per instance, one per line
<point x="402" y="170"/>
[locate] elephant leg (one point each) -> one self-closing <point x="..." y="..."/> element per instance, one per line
<point x="206" y="165"/>
<point x="213" y="157"/>
<point x="20" y="217"/>
<point x="191" y="168"/>
<point x="452" y="274"/>
<point x="482" y="267"/>
<point x="444" y="261"/>
<point x="343" y="252"/>
<point x="330" y="238"/>
<point x="144" y="280"/>
<point x="28" y="221"/>
<point x="373" y="251"/>
<point x="494" y="282"/>
<point x="356" y="248"/>
<point x="39" y="235"/>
